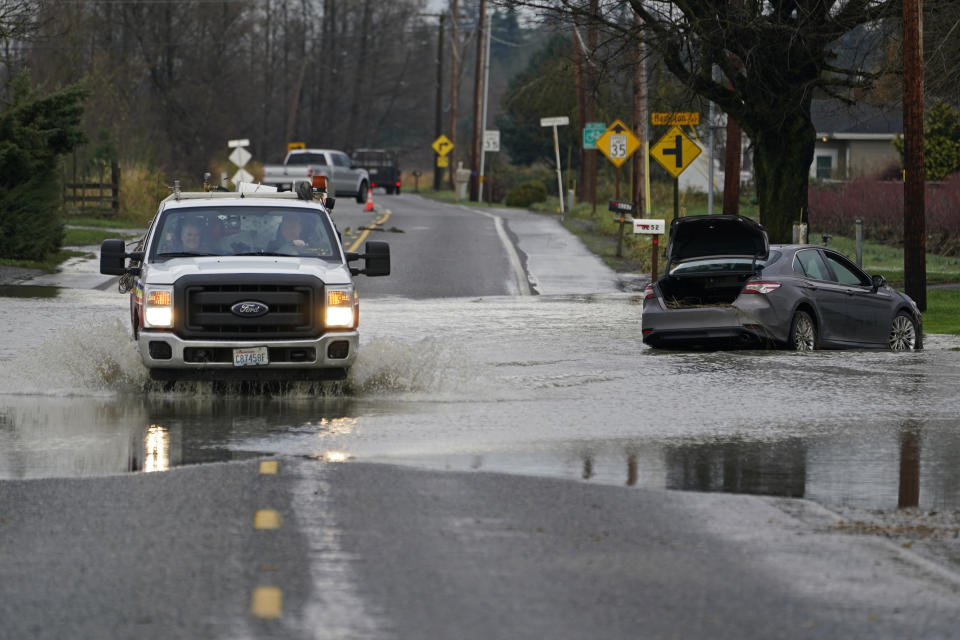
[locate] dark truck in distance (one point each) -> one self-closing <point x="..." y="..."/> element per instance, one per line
<point x="383" y="167"/>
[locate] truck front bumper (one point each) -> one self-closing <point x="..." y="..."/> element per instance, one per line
<point x="168" y="356"/>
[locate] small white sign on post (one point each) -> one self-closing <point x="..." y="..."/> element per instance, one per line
<point x="491" y="140"/>
<point x="242" y="175"/>
<point x="240" y="157"/>
<point x="557" y="121"/>
<point x="649" y="226"/>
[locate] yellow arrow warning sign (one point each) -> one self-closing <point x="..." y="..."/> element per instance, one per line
<point x="617" y="143"/>
<point x="675" y="151"/>
<point x="442" y="145"/>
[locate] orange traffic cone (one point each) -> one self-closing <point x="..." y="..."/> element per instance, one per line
<point x="369" y="206"/>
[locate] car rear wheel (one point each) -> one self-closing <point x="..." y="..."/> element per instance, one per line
<point x="803" y="332"/>
<point x="903" y="333"/>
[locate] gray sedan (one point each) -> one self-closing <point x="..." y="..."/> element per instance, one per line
<point x="725" y="286"/>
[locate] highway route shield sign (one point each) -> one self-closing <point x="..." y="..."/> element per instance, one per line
<point x="617" y="143"/>
<point x="675" y="151"/>
<point x="592" y="131"/>
<point x="442" y="145"/>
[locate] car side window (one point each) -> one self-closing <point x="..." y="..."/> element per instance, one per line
<point x="813" y="265"/>
<point x="845" y="271"/>
<point x="341" y="160"/>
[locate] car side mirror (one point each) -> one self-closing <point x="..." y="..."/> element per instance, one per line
<point x="878" y="283"/>
<point x="329" y="201"/>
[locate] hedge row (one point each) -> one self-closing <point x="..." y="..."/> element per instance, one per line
<point x="879" y="205"/>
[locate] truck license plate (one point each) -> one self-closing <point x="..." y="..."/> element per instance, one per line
<point x="250" y="357"/>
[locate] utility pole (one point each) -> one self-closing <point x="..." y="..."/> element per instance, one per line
<point x="590" y="112"/>
<point x="477" y="87"/>
<point x="437" y="130"/>
<point x="732" y="160"/>
<point x="914" y="231"/>
<point x="454" y="70"/>
<point x="639" y="119"/>
<point x="578" y="60"/>
<point x="483" y="110"/>
<point x="731" y="175"/>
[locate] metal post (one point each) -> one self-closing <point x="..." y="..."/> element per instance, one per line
<point x="859" y="242"/>
<point x="620" y="237"/>
<point x="654" y="258"/>
<point x="648" y="206"/>
<point x="556" y="153"/>
<point x="676" y="197"/>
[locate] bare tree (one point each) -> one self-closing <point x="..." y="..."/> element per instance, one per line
<point x="774" y="57"/>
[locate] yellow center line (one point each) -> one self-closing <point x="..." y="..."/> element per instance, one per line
<point x="267" y="602"/>
<point x="266" y="519"/>
<point x="268" y="467"/>
<point x="366" y="232"/>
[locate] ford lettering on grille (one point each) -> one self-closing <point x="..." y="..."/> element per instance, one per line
<point x="249" y="309"/>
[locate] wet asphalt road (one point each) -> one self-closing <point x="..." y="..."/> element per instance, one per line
<point x="532" y="371"/>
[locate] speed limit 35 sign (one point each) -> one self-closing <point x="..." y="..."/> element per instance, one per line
<point x="617" y="143"/>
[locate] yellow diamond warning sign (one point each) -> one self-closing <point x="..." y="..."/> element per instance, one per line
<point x="675" y="151"/>
<point x="617" y="143"/>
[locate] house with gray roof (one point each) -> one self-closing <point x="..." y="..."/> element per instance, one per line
<point x="854" y="140"/>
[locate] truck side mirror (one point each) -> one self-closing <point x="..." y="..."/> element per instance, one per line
<point x="113" y="258"/>
<point x="376" y="259"/>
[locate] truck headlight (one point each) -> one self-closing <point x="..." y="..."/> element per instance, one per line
<point x="341" y="309"/>
<point x="158" y="308"/>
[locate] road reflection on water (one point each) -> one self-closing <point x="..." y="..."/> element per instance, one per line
<point x="553" y="386"/>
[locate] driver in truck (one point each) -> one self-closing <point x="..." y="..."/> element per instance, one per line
<point x="294" y="236"/>
<point x="288" y="233"/>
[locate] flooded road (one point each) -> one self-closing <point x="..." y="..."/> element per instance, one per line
<point x="546" y="385"/>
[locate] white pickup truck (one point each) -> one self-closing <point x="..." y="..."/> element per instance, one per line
<point x="344" y="177"/>
<point x="243" y="286"/>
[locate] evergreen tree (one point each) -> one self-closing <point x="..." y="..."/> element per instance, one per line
<point x="941" y="142"/>
<point x="34" y="131"/>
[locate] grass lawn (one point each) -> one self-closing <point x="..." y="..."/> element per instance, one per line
<point x="85" y="237"/>
<point x="108" y="223"/>
<point x="943" y="311"/>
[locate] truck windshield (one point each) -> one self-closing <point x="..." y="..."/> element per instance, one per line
<point x="249" y="231"/>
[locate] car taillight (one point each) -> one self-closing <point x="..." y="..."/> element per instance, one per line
<point x="761" y="287"/>
<point x="648" y="292"/>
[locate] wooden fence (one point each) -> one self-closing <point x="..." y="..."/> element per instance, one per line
<point x="89" y="195"/>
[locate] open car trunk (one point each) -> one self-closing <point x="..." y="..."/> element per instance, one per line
<point x="702" y="290"/>
<point x="710" y="258"/>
